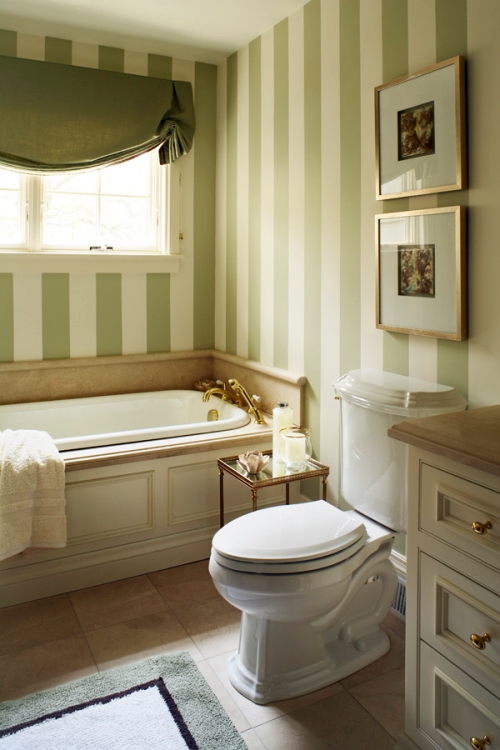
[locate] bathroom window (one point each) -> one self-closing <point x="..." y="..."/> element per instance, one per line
<point x="117" y="208"/>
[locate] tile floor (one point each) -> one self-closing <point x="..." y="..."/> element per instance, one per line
<point x="61" y="638"/>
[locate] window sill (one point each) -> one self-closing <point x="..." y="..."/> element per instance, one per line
<point x="86" y="262"/>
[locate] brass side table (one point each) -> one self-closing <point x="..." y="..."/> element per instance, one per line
<point x="272" y="474"/>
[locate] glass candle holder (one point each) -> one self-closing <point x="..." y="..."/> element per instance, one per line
<point x="295" y="447"/>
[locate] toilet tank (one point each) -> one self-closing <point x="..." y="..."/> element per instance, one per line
<point x="373" y="466"/>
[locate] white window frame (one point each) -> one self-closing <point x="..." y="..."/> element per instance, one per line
<point x="31" y="257"/>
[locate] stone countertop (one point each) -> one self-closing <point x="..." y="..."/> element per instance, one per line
<point x="469" y="437"/>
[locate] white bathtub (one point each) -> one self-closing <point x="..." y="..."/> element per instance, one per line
<point x="132" y="417"/>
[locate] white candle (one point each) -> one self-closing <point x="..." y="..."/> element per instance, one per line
<point x="295" y="449"/>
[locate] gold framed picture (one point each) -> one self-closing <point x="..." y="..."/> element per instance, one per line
<point x="421" y="283"/>
<point x="420" y="132"/>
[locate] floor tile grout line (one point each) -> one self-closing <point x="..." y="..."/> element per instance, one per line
<point x="83" y="631"/>
<point x="376" y="677"/>
<point x="16" y="651"/>
<point x="75" y="612"/>
<point x="374" y="716"/>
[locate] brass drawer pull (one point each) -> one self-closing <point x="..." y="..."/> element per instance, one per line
<point x="478" y="744"/>
<point x="481" y="528"/>
<point x="480" y="641"/>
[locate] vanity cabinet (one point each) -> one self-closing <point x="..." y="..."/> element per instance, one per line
<point x="453" y="581"/>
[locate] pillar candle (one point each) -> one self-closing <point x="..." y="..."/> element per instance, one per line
<point x="295" y="449"/>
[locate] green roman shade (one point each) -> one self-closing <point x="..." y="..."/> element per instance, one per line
<point x="56" y="117"/>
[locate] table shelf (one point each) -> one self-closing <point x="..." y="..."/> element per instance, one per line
<point x="272" y="474"/>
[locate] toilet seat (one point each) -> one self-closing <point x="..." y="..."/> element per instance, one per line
<point x="289" y="539"/>
<point x="283" y="568"/>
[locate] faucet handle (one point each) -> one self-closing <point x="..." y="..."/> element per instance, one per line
<point x="256" y="399"/>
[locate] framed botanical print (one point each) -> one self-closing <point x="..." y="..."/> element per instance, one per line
<point x="420" y="132"/>
<point x="421" y="278"/>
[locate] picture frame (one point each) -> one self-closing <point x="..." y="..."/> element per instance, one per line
<point x="420" y="132"/>
<point x="421" y="285"/>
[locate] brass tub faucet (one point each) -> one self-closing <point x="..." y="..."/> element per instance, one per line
<point x="239" y="396"/>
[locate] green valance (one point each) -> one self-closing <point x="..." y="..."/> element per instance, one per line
<point x="56" y="117"/>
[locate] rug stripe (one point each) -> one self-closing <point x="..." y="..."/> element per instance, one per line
<point x="188" y="738"/>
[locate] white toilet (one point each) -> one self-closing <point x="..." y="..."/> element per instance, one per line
<point x="313" y="582"/>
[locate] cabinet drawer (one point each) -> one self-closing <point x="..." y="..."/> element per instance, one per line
<point x="454" y="707"/>
<point x="452" y="609"/>
<point x="450" y="505"/>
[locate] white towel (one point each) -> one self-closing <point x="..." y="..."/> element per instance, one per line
<point x="32" y="503"/>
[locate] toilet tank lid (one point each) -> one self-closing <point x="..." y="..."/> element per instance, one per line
<point x="289" y="533"/>
<point x="398" y="394"/>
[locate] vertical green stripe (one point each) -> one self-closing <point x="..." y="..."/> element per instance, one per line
<point x="55" y="315"/>
<point x="395" y="64"/>
<point x="158" y="312"/>
<point x="8" y="43"/>
<point x="158" y="284"/>
<point x="204" y="207"/>
<point x="451" y="28"/>
<point x="111" y="58"/>
<point x="350" y="186"/>
<point x="453" y="365"/>
<point x="254" y="199"/>
<point x="394" y="39"/>
<point x="281" y="200"/>
<point x="397" y="352"/>
<point x="108" y="313"/>
<point x="58" y="50"/>
<point x="159" y="66"/>
<point x="451" y="40"/>
<point x="312" y="212"/>
<point x="231" y="204"/>
<point x="6" y="317"/>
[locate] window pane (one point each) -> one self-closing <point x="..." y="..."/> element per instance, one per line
<point x="124" y="221"/>
<point x="71" y="182"/>
<point x="129" y="178"/>
<point x="70" y="220"/>
<point x="10" y="217"/>
<point x="10" y="179"/>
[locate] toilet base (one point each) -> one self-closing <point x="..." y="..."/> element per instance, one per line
<point x="341" y="659"/>
<point x="284" y="658"/>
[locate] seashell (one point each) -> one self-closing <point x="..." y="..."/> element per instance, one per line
<point x="204" y="385"/>
<point x="253" y="461"/>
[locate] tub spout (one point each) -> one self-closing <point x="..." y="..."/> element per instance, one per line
<point x="250" y="401"/>
<point x="224" y="394"/>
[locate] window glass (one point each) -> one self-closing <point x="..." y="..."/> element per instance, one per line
<point x="115" y="207"/>
<point x="70" y="219"/>
<point x="130" y="178"/>
<point x="11" y="224"/>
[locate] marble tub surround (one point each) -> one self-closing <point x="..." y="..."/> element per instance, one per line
<point x="270" y="383"/>
<point x="48" y="380"/>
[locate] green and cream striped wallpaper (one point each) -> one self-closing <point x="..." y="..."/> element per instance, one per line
<point x="295" y="269"/>
<point x="278" y="203"/>
<point x="59" y="315"/>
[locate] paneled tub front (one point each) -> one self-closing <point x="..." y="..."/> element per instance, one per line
<point x="136" y="507"/>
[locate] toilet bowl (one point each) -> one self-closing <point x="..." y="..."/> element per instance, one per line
<point x="314" y="583"/>
<point x="306" y="620"/>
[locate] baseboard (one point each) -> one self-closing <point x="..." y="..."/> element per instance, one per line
<point x="55" y="577"/>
